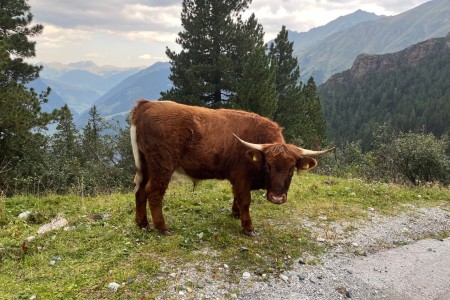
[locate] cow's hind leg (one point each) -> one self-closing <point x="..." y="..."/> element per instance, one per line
<point x="141" y="194"/>
<point x="235" y="209"/>
<point x="156" y="187"/>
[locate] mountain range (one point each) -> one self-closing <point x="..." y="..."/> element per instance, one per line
<point x="321" y="52"/>
<point x="337" y="44"/>
<point x="407" y="90"/>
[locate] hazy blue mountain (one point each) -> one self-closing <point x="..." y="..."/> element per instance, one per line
<point x="77" y="97"/>
<point x="54" y="100"/>
<point x="117" y="103"/>
<point x="336" y="52"/>
<point x="80" y="84"/>
<point x="303" y="40"/>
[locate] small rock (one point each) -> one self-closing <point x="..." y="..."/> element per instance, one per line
<point x="181" y="293"/>
<point x="33" y="297"/>
<point x="371" y="209"/>
<point x="56" y="223"/>
<point x="321" y="240"/>
<point x="24" y="215"/>
<point x="113" y="286"/>
<point x="26" y="242"/>
<point x="173" y="275"/>
<point x="342" y="290"/>
<point x="320" y="276"/>
<point x="301" y="261"/>
<point x="246" y="275"/>
<point x="243" y="249"/>
<point x="284" y="277"/>
<point x="355" y="244"/>
<point x="201" y="285"/>
<point x="301" y="277"/>
<point x="226" y="266"/>
<point x="259" y="271"/>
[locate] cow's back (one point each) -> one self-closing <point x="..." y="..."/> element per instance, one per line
<point x="199" y="140"/>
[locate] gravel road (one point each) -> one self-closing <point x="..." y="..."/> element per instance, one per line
<point x="400" y="257"/>
<point x="390" y="263"/>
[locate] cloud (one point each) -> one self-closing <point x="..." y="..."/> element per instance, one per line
<point x="57" y="37"/>
<point x="152" y="58"/>
<point x="109" y="15"/>
<point x="121" y="30"/>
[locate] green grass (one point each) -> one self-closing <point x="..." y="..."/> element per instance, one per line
<point x="114" y="249"/>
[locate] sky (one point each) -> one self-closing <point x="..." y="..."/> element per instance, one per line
<point x="130" y="33"/>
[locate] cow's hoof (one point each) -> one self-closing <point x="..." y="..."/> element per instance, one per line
<point x="166" y="232"/>
<point x="251" y="233"/>
<point x="143" y="224"/>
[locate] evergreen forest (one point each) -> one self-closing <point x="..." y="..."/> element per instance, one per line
<point x="410" y="98"/>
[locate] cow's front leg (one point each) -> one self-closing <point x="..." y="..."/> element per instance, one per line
<point x="156" y="189"/>
<point x="243" y="199"/>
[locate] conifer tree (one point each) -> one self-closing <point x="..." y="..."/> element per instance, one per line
<point x="215" y="42"/>
<point x="65" y="164"/>
<point x="313" y="122"/>
<point x="288" y="86"/>
<point x="20" y="107"/>
<point x="299" y="110"/>
<point x="256" y="91"/>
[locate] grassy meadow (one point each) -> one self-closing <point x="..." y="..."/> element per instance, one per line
<point x="101" y="243"/>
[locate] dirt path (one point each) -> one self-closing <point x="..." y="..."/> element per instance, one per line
<point x="371" y="264"/>
<point x="401" y="257"/>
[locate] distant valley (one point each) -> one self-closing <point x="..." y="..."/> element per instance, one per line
<point x="322" y="52"/>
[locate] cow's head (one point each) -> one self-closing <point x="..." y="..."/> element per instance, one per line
<point x="279" y="162"/>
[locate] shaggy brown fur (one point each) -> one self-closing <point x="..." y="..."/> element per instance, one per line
<point x="199" y="142"/>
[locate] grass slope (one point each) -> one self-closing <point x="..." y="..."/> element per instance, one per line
<point x="101" y="244"/>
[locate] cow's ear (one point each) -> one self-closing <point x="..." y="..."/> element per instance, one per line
<point x="255" y="156"/>
<point x="305" y="164"/>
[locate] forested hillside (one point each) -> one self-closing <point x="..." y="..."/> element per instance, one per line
<point x="408" y="91"/>
<point x="336" y="52"/>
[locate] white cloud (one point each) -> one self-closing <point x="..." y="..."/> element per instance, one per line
<point x="119" y="31"/>
<point x="150" y="36"/>
<point x="152" y="58"/>
<point x="58" y="37"/>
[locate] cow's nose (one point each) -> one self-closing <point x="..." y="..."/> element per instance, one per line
<point x="277" y="199"/>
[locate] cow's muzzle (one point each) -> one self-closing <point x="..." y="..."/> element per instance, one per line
<point x="277" y="199"/>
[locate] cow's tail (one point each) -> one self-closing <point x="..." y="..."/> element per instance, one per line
<point x="137" y="158"/>
<point x="135" y="144"/>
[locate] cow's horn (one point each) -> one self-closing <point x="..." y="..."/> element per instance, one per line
<point x="311" y="153"/>
<point x="250" y="145"/>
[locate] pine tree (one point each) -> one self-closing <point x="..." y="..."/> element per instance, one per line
<point x="20" y="107"/>
<point x="92" y="139"/>
<point x="215" y="42"/>
<point x="288" y="87"/>
<point x="299" y="110"/>
<point x="66" y="153"/>
<point x="313" y="129"/>
<point x="257" y="90"/>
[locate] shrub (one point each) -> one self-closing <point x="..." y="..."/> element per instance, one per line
<point x="416" y="157"/>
